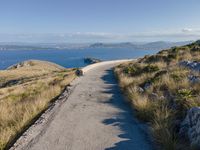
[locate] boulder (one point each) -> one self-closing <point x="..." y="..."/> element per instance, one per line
<point x="79" y="72"/>
<point x="190" y="127"/>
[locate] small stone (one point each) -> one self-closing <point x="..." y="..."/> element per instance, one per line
<point x="147" y="86"/>
<point x="141" y="90"/>
<point x="194" y="79"/>
<point x="162" y="97"/>
<point x="153" y="96"/>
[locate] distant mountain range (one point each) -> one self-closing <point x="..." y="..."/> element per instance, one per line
<point x="159" y="45"/>
<point x="41" y="46"/>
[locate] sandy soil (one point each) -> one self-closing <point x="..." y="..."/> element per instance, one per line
<point x="94" y="117"/>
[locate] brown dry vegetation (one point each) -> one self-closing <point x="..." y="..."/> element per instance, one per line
<point x="161" y="93"/>
<point x="30" y="90"/>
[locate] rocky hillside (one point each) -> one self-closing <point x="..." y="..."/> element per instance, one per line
<point x="26" y="89"/>
<point x="164" y="89"/>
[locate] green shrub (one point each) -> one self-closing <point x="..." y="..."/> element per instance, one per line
<point x="185" y="94"/>
<point x="155" y="58"/>
<point x="176" y="77"/>
<point x="132" y="70"/>
<point x="172" y="57"/>
<point x="136" y="69"/>
<point x="150" y="69"/>
<point x="155" y="78"/>
<point x="184" y="100"/>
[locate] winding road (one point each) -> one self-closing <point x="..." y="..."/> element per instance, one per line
<point x="94" y="117"/>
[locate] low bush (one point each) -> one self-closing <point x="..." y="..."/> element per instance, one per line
<point x="137" y="69"/>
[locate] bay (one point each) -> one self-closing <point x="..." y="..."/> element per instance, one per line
<point x="72" y="58"/>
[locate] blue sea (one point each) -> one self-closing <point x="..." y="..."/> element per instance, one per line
<point x="73" y="58"/>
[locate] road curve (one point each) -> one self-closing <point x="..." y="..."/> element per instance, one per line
<point x="95" y="117"/>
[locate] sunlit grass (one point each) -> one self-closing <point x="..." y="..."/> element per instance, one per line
<point x="20" y="103"/>
<point x="169" y="94"/>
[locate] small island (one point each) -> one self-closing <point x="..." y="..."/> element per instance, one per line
<point x="90" y="60"/>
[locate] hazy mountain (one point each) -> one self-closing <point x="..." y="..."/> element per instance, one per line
<point x="163" y="45"/>
<point x="40" y="46"/>
<point x="113" y="45"/>
<point x="159" y="45"/>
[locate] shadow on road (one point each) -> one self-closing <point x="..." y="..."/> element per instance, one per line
<point x="132" y="136"/>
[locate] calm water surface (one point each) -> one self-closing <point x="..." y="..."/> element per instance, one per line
<point x="69" y="58"/>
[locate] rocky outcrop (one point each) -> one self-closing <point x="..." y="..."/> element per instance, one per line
<point x="20" y="65"/>
<point x="193" y="65"/>
<point x="190" y="127"/>
<point x="39" y="64"/>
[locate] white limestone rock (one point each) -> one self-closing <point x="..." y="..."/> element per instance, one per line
<point x="190" y="127"/>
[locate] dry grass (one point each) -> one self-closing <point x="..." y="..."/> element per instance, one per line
<point x="20" y="103"/>
<point x="32" y="69"/>
<point x="170" y="93"/>
<point x="162" y="128"/>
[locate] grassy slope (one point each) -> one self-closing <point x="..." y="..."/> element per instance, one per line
<point x="160" y="92"/>
<point x="31" y="88"/>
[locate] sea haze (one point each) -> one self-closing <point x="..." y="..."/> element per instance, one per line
<point x="72" y="58"/>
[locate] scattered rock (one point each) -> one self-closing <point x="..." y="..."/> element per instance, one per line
<point x="190" y="127"/>
<point x="140" y="90"/>
<point x="153" y="96"/>
<point x="147" y="85"/>
<point x="194" y="79"/>
<point x="162" y="98"/>
<point x="19" y="65"/>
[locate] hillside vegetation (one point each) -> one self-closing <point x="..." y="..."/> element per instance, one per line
<point x="26" y="89"/>
<point x="161" y="91"/>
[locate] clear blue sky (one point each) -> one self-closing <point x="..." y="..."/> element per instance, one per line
<point x="99" y="20"/>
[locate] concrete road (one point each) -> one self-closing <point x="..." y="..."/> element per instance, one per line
<point x="95" y="117"/>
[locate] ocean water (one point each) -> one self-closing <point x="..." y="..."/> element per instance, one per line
<point x="73" y="58"/>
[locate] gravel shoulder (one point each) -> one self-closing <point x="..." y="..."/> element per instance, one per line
<point x="93" y="117"/>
